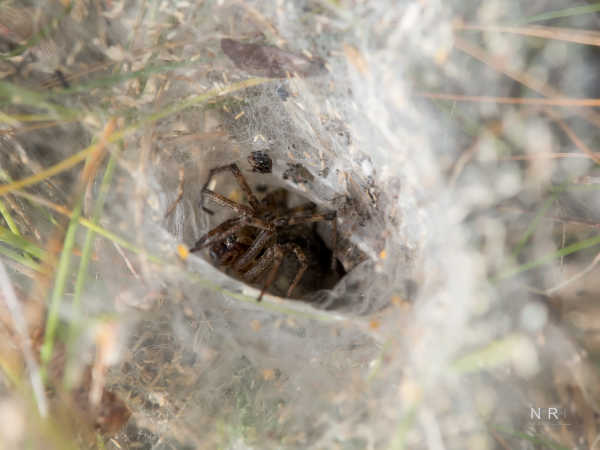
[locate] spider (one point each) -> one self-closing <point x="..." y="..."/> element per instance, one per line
<point x="253" y="243"/>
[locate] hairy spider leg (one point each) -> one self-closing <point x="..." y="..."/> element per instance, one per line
<point x="274" y="255"/>
<point x="259" y="243"/>
<point x="310" y="218"/>
<point x="220" y="232"/>
<point x="241" y="181"/>
<point x="301" y="257"/>
<point x="270" y="201"/>
<point x="276" y="259"/>
<point x="224" y="201"/>
<point x="323" y="217"/>
<point x="262" y="264"/>
<point x="266" y="235"/>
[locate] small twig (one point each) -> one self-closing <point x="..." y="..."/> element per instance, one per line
<point x="575" y="277"/>
<point x="464" y="158"/>
<point x="105" y="338"/>
<point x="552" y="101"/>
<point x="571" y="134"/>
<point x="585" y="37"/>
<point x="524" y="78"/>
<point x="179" y="193"/>
<point x="127" y="262"/>
<point x="546" y="155"/>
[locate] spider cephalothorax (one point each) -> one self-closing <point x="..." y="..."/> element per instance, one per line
<point x="253" y="243"/>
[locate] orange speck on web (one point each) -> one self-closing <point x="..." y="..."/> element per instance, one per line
<point x="382" y="254"/>
<point x="440" y="56"/>
<point x="183" y="251"/>
<point x="268" y="374"/>
<point x="399" y="301"/>
<point x="374" y="324"/>
<point x="255" y="324"/>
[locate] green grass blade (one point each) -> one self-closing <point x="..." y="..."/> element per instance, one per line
<point x="556" y="192"/>
<point x="561" y="13"/>
<point x="21" y="243"/>
<point x="86" y="253"/>
<point x="533" y="225"/>
<point x="577" y="246"/>
<point x="89" y="239"/>
<point x="17" y="257"/>
<point x="14" y="94"/>
<point x="119" y="240"/>
<point x="488" y="357"/>
<point x="117" y="78"/>
<point x="8" y="219"/>
<point x="407" y="422"/>
<point x="60" y="281"/>
<point x="7" y="179"/>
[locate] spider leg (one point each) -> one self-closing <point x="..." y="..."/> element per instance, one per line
<point x="262" y="264"/>
<point x="307" y="218"/>
<point x="303" y="265"/>
<point x="273" y="258"/>
<point x="259" y="243"/>
<point x="218" y="233"/>
<point x="224" y="201"/>
<point x="277" y="259"/>
<point x="330" y="216"/>
<point x="239" y="177"/>
<point x="228" y="227"/>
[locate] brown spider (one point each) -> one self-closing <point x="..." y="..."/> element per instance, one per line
<point x="257" y="239"/>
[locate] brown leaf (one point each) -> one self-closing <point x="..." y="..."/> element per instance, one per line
<point x="271" y="62"/>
